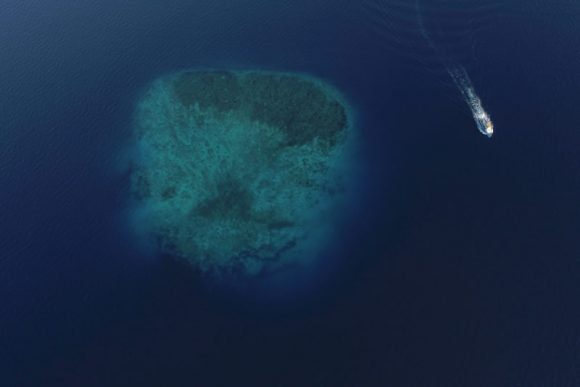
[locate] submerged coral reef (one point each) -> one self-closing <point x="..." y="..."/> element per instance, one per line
<point x="241" y="171"/>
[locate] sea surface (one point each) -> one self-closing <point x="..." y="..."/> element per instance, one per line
<point x="461" y="267"/>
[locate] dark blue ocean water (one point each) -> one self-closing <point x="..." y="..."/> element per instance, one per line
<point x="461" y="268"/>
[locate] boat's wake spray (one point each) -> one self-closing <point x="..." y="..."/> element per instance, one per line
<point x="461" y="80"/>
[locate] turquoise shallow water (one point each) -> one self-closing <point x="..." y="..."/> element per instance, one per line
<point x="458" y="269"/>
<point x="243" y="173"/>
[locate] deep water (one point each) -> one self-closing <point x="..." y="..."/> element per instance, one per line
<point x="460" y="268"/>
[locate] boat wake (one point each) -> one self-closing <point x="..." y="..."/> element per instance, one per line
<point x="461" y="79"/>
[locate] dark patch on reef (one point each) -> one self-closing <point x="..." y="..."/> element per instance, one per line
<point x="232" y="200"/>
<point x="298" y="106"/>
<point x="210" y="89"/>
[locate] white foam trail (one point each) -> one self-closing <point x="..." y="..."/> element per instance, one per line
<point x="461" y="80"/>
